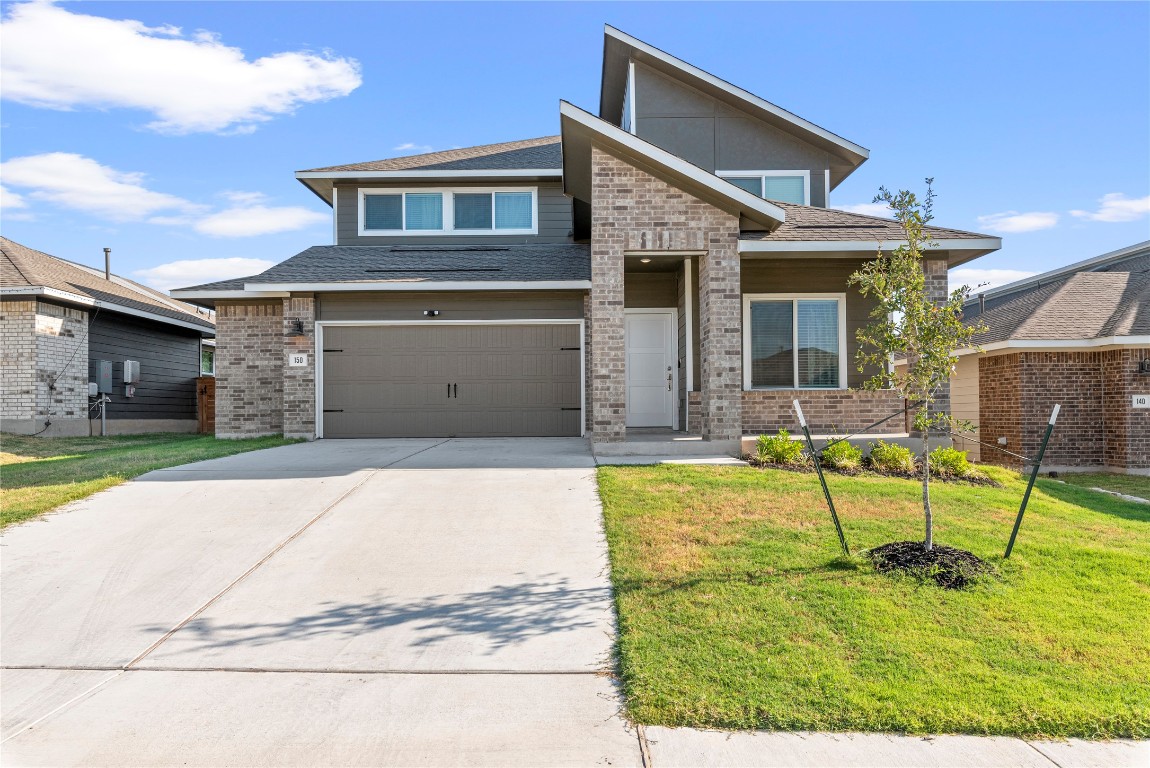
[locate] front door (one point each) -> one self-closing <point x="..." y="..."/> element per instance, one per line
<point x="651" y="372"/>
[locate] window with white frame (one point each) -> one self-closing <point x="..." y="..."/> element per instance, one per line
<point x="784" y="186"/>
<point x="794" y="341"/>
<point x="207" y="359"/>
<point x="505" y="211"/>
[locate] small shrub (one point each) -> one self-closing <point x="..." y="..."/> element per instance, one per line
<point x="779" y="449"/>
<point x="891" y="457"/>
<point x="949" y="462"/>
<point x="842" y="455"/>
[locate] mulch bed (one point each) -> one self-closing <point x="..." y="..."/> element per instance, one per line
<point x="869" y="469"/>
<point x="948" y="567"/>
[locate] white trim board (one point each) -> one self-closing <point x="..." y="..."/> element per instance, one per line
<point x="1069" y="345"/>
<point x="423" y="285"/>
<point x="748" y="356"/>
<point x="85" y="301"/>
<point x="320" y="324"/>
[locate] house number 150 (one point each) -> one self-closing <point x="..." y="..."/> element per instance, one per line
<point x="296" y="360"/>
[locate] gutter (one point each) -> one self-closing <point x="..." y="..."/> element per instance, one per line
<point x="86" y="301"/>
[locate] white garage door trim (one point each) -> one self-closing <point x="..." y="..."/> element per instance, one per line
<point x="320" y="324"/>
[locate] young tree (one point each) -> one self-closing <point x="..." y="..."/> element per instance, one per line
<point x="907" y="326"/>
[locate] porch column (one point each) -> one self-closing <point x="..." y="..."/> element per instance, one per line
<point x="720" y="339"/>
<point x="937" y="290"/>
<point x="607" y="397"/>
<point x="299" y="416"/>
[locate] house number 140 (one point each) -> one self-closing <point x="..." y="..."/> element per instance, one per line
<point x="1142" y="401"/>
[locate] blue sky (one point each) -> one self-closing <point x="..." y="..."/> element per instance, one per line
<point x="176" y="147"/>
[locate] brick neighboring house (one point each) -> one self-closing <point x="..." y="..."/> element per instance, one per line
<point x="671" y="263"/>
<point x="1078" y="336"/>
<point x="59" y="319"/>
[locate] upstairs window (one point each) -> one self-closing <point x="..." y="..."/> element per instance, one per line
<point x="448" y="212"/>
<point x="794" y="342"/>
<point x="784" y="186"/>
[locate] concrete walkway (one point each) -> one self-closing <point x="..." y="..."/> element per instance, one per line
<point x="381" y="602"/>
<point x="374" y="603"/>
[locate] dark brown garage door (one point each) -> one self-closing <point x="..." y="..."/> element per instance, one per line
<point x="451" y="381"/>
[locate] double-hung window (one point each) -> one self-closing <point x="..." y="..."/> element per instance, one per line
<point x="448" y="211"/>
<point x="794" y="341"/>
<point x="784" y="186"/>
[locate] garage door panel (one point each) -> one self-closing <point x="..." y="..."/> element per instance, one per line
<point x="391" y="381"/>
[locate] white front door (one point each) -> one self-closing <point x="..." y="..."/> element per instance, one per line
<point x="651" y="371"/>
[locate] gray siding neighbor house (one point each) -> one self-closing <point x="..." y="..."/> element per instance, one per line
<point x="669" y="264"/>
<point x="65" y="325"/>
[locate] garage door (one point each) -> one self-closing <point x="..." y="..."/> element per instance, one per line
<point x="451" y="381"/>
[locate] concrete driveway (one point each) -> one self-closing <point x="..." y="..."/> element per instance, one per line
<point x="373" y="602"/>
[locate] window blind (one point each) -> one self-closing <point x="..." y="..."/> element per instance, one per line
<point x="424" y="210"/>
<point x="786" y="189"/>
<point x="753" y="184"/>
<point x="818" y="343"/>
<point x="513" y="210"/>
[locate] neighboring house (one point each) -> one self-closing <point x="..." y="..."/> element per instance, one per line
<point x="59" y="320"/>
<point x="670" y="263"/>
<point x="1077" y="336"/>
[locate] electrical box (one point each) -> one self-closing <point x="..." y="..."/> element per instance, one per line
<point x="104" y="376"/>
<point x="93" y="389"/>
<point x="131" y="371"/>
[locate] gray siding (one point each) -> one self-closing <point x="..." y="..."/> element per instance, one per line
<point x="815" y="276"/>
<point x="555" y="220"/>
<point x="510" y="305"/>
<point x="169" y="360"/>
<point x="650" y="291"/>
<point x="716" y="137"/>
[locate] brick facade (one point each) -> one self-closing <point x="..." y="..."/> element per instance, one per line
<point x="44" y="366"/>
<point x="633" y="211"/>
<point x="1097" y="425"/>
<point x="938" y="291"/>
<point x="766" y="411"/>
<point x="249" y="369"/>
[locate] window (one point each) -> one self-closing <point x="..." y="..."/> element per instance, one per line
<point x="207" y="360"/>
<point x="794" y="342"/>
<point x="784" y="186"/>
<point x="446" y="211"/>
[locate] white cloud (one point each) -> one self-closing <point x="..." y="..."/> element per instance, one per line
<point x="1116" y="207"/>
<point x="1013" y="221"/>
<point x="993" y="278"/>
<point x="415" y="149"/>
<point x="249" y="220"/>
<point x="57" y="59"/>
<point x="10" y="200"/>
<point x="881" y="210"/>
<point x="81" y="183"/>
<point x="180" y="274"/>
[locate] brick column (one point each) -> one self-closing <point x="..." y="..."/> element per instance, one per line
<point x="606" y="319"/>
<point x="18" y="360"/>
<point x="720" y="339"/>
<point x="299" y="416"/>
<point x="938" y="291"/>
<point x="249" y="369"/>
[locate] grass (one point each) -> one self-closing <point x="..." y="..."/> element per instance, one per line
<point x="1132" y="485"/>
<point x="737" y="609"/>
<point x="38" y="474"/>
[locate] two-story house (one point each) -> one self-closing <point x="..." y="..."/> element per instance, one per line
<point x="671" y="262"/>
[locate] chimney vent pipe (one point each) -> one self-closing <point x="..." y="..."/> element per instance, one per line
<point x="108" y="264"/>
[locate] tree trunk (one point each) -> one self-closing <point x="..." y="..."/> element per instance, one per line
<point x="928" y="542"/>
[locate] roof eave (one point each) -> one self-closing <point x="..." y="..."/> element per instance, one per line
<point x="958" y="250"/>
<point x="88" y="302"/>
<point x="281" y="289"/>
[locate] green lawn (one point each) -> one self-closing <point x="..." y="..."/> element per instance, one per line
<point x="737" y="611"/>
<point x="1132" y="485"/>
<point x="38" y="474"/>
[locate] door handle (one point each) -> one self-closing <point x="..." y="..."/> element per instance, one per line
<point x="670" y="378"/>
<point x="448" y="390"/>
<point x="455" y="391"/>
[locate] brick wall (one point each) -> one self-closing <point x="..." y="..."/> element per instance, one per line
<point x="937" y="290"/>
<point x="249" y="369"/>
<point x="18" y="359"/>
<point x="999" y="409"/>
<point x="299" y="417"/>
<point x="1073" y="380"/>
<point x="634" y="211"/>
<point x="827" y="411"/>
<point x="1127" y="428"/>
<point x="61" y="362"/>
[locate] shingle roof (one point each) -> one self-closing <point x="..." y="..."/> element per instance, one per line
<point x="1111" y="300"/>
<point x="544" y="152"/>
<point x="23" y="267"/>
<point x="805" y="222"/>
<point x="429" y="263"/>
